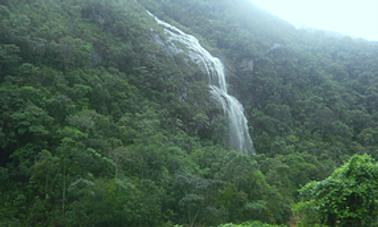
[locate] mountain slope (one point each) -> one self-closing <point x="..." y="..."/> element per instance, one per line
<point x="308" y="85"/>
<point x="102" y="125"/>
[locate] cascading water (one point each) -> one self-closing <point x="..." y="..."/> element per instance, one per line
<point x="238" y="124"/>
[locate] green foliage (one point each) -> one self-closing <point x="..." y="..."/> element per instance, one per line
<point x="250" y="224"/>
<point x="346" y="198"/>
<point x="102" y="125"/>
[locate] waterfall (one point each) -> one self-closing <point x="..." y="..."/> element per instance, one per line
<point x="238" y="124"/>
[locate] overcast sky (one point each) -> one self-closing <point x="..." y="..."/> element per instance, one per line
<point x="356" y="18"/>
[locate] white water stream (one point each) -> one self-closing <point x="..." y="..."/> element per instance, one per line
<point x="238" y="125"/>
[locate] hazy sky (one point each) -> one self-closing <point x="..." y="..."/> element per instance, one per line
<point x="357" y="18"/>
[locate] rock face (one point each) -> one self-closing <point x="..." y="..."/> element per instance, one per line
<point x="247" y="65"/>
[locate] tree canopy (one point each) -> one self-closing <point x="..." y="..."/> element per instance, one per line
<point x="102" y="124"/>
<point x="346" y="198"/>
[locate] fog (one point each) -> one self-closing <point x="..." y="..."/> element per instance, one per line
<point x="356" y="18"/>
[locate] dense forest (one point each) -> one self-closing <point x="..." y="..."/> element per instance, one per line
<point x="102" y="124"/>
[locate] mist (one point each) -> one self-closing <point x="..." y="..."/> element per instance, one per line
<point x="355" y="18"/>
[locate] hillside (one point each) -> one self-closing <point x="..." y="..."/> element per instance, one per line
<point x="103" y="124"/>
